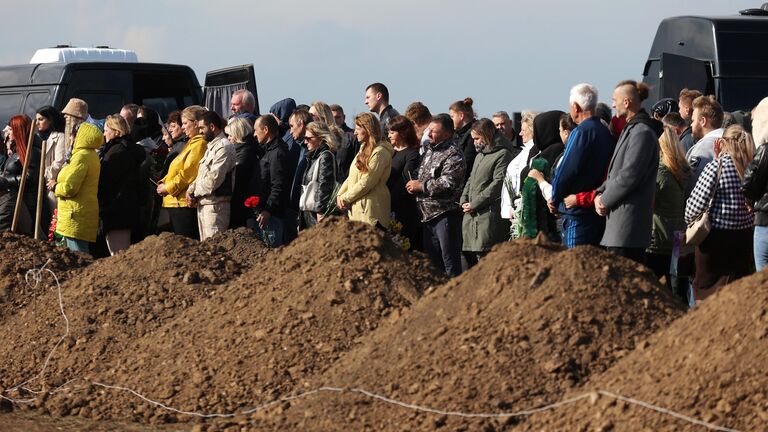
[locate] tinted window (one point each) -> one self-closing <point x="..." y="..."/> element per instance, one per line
<point x="36" y="101"/>
<point x="742" y="94"/>
<point x="738" y="53"/>
<point x="10" y="105"/>
<point x="100" y="105"/>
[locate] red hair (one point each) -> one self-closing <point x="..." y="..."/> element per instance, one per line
<point x="20" y="125"/>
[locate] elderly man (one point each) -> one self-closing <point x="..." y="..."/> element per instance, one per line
<point x="377" y="100"/>
<point x="506" y="127"/>
<point x="212" y="189"/>
<point x="582" y="168"/>
<point x="626" y="196"/>
<point x="243" y="104"/>
<point x="437" y="190"/>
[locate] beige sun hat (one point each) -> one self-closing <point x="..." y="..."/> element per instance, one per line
<point x="76" y="108"/>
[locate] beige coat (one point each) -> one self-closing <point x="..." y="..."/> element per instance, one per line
<point x="55" y="154"/>
<point x="368" y="192"/>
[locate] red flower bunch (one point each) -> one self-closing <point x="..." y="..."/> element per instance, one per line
<point x="52" y="228"/>
<point x="252" y="201"/>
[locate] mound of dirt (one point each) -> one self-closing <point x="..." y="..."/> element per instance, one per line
<point x="109" y="305"/>
<point x="240" y="244"/>
<point x="18" y="255"/>
<point x="710" y="365"/>
<point x="188" y="334"/>
<point x="523" y="327"/>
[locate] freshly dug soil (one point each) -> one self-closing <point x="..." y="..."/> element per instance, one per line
<point x="519" y="330"/>
<point x="240" y="244"/>
<point x="711" y="365"/>
<point x="110" y="304"/>
<point x="18" y="254"/>
<point x="177" y="322"/>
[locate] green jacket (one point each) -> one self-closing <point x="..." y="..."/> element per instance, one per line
<point x="484" y="226"/>
<point x="77" y="186"/>
<point x="668" y="211"/>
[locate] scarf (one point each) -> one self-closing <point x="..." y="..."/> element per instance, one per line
<point x="530" y="190"/>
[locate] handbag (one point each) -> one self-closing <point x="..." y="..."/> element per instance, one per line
<point x="699" y="229"/>
<point x="309" y="192"/>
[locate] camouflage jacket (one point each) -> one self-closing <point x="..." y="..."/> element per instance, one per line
<point x="441" y="174"/>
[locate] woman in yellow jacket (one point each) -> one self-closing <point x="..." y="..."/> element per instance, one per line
<point x="365" y="193"/>
<point x="76" y="189"/>
<point x="181" y="173"/>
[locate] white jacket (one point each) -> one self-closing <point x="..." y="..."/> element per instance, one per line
<point x="216" y="166"/>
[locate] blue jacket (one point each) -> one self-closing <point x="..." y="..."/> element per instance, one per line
<point x="584" y="164"/>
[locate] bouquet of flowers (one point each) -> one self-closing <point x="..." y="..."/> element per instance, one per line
<point x="395" y="233"/>
<point x="53" y="237"/>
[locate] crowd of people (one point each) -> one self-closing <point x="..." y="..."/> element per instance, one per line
<point x="452" y="184"/>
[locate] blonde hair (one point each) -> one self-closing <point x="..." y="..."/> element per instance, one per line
<point x="238" y="129"/>
<point x="672" y="156"/>
<point x="527" y="117"/>
<point x="117" y="123"/>
<point x="321" y="130"/>
<point x="760" y="122"/>
<point x="325" y="113"/>
<point x="193" y="112"/>
<point x="738" y="143"/>
<point x="372" y="127"/>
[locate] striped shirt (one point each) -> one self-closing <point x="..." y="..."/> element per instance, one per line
<point x="729" y="209"/>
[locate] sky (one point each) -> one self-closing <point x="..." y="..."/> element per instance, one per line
<point x="505" y="55"/>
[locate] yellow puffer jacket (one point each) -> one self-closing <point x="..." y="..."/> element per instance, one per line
<point x="368" y="192"/>
<point x="183" y="171"/>
<point x="77" y="186"/>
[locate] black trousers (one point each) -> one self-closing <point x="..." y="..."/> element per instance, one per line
<point x="635" y="254"/>
<point x="184" y="221"/>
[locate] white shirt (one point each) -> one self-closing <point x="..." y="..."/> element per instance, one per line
<point x="514" y="169"/>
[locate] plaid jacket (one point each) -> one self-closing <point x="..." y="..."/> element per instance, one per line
<point x="729" y="209"/>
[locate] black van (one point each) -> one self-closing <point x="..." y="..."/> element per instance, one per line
<point x="107" y="86"/>
<point x="723" y="56"/>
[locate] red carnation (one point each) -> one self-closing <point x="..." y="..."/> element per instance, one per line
<point x="252" y="201"/>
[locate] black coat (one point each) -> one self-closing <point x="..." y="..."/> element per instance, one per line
<point x="345" y="154"/>
<point x="755" y="185"/>
<point x="464" y="140"/>
<point x="246" y="169"/>
<point x="10" y="180"/>
<point x="274" y="178"/>
<point x="405" y="167"/>
<point x="119" y="186"/>
<point x="325" y="161"/>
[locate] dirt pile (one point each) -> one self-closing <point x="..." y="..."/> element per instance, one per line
<point x="109" y="305"/>
<point x="710" y="365"/>
<point x="18" y="254"/>
<point x="188" y="334"/>
<point x="240" y="244"/>
<point x="519" y="330"/>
